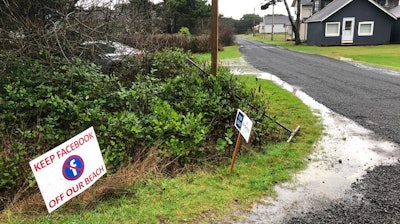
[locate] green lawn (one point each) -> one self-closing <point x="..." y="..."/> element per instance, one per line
<point x="226" y="53"/>
<point x="381" y="55"/>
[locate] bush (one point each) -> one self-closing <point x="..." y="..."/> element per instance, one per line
<point x="164" y="64"/>
<point x="184" y="31"/>
<point x="187" y="115"/>
<point x="183" y="40"/>
<point x="41" y="106"/>
<point x="158" y="42"/>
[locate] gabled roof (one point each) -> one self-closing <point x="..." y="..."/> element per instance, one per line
<point x="337" y="5"/>
<point x="396" y="11"/>
<point x="277" y="20"/>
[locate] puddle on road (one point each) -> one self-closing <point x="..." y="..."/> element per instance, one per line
<point x="341" y="157"/>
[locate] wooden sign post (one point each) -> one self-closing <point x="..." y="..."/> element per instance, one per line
<point x="237" y="146"/>
<point x="243" y="124"/>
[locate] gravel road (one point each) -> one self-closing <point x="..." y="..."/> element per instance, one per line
<point x="368" y="96"/>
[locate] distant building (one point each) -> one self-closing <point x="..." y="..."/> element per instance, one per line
<point x="280" y="23"/>
<point x="306" y="10"/>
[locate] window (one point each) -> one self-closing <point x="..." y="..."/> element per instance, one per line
<point x="366" y="28"/>
<point x="332" y="29"/>
<point x="316" y="5"/>
<point x="348" y="24"/>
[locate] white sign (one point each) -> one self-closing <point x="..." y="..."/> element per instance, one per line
<point x="69" y="169"/>
<point x="243" y="124"/>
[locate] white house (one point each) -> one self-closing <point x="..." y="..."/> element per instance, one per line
<point x="280" y="23"/>
<point x="306" y="10"/>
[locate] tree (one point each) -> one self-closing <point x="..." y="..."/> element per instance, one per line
<point x="295" y="25"/>
<point x="247" y="22"/>
<point x="15" y="14"/>
<point x="185" y="13"/>
<point x="226" y="31"/>
<point x="141" y="16"/>
<point x="30" y="26"/>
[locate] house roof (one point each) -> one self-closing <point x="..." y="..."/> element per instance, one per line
<point x="277" y="19"/>
<point x="396" y="11"/>
<point x="337" y="5"/>
<point x="302" y="2"/>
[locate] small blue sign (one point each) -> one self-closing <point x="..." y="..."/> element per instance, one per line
<point x="73" y="167"/>
<point x="243" y="124"/>
<point x="239" y="120"/>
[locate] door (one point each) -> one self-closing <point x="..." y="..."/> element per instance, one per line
<point x="348" y="30"/>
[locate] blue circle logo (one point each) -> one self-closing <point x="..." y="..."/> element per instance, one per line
<point x="73" y="167"/>
<point x="239" y="120"/>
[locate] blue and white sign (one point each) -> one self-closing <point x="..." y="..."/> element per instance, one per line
<point x="243" y="124"/>
<point x="73" y="167"/>
<point x="69" y="169"/>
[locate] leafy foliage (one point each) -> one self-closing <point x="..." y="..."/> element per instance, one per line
<point x="158" y="42"/>
<point x="185" y="13"/>
<point x="186" y="114"/>
<point x="246" y="23"/>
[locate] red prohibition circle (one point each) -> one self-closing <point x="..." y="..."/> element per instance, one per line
<point x="73" y="167"/>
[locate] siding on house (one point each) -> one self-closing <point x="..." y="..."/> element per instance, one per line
<point x="280" y="24"/>
<point x="306" y="11"/>
<point x="395" y="36"/>
<point x="316" y="33"/>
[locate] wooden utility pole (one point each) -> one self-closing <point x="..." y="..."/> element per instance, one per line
<point x="273" y="20"/>
<point x="214" y="37"/>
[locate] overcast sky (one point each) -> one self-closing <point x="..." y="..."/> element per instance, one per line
<point x="228" y="8"/>
<point x="237" y="8"/>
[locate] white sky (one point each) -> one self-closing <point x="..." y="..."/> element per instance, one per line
<point x="237" y="8"/>
<point x="228" y="8"/>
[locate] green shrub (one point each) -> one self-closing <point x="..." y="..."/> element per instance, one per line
<point x="169" y="104"/>
<point x="43" y="105"/>
<point x="158" y="42"/>
<point x="164" y="64"/>
<point x="184" y="31"/>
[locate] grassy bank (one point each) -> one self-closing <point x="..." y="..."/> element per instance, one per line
<point x="381" y="55"/>
<point x="210" y="193"/>
<point x="226" y="53"/>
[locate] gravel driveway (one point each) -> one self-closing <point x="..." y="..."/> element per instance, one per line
<point x="354" y="175"/>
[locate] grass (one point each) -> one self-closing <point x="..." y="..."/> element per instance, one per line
<point x="211" y="193"/>
<point x="381" y="55"/>
<point x="226" y="53"/>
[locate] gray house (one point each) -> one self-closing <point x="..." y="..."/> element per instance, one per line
<point x="350" y="22"/>
<point x="395" y="37"/>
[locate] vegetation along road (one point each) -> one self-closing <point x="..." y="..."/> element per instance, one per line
<point x="365" y="94"/>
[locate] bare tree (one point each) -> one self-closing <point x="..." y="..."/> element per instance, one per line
<point x="295" y="24"/>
